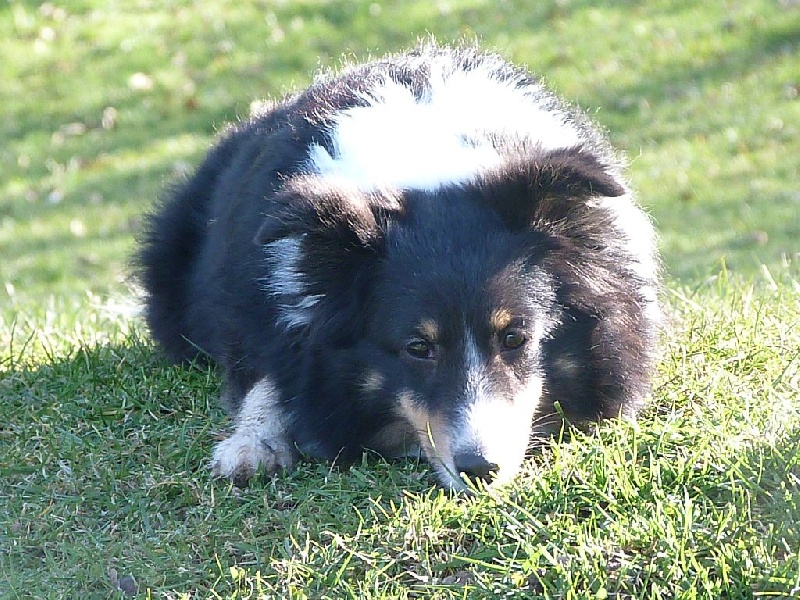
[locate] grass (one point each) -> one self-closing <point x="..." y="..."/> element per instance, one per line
<point x="103" y="478"/>
<point x="103" y="485"/>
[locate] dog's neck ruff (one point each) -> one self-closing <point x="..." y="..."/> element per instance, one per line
<point x="452" y="133"/>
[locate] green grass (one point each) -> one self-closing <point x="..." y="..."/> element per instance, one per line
<point x="104" y="490"/>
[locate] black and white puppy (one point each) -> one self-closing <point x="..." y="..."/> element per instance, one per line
<point x="430" y="251"/>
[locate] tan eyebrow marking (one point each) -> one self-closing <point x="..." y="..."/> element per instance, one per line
<point x="500" y="319"/>
<point x="429" y="329"/>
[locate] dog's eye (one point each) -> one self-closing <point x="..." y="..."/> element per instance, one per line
<point x="513" y="339"/>
<point x="420" y="349"/>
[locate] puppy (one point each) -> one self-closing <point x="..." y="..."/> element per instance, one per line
<point x="429" y="252"/>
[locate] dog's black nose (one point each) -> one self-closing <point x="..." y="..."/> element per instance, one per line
<point x="475" y="466"/>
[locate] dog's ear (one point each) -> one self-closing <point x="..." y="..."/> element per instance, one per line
<point x="549" y="189"/>
<point x="573" y="172"/>
<point x="309" y="206"/>
<point x="321" y="242"/>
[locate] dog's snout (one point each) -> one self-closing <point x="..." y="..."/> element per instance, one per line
<point x="475" y="466"/>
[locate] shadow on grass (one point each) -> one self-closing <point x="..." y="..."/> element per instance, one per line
<point x="108" y="443"/>
<point x="105" y="450"/>
<point x="119" y="405"/>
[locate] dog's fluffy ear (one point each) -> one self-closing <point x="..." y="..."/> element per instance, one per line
<point x="311" y="207"/>
<point x="549" y="189"/>
<point x="573" y="172"/>
<point x="321" y="241"/>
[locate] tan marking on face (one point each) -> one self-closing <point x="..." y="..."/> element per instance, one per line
<point x="500" y="319"/>
<point x="372" y="382"/>
<point x="435" y="440"/>
<point x="396" y="439"/>
<point x="429" y="329"/>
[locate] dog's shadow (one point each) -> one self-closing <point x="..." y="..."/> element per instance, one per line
<point x="109" y="412"/>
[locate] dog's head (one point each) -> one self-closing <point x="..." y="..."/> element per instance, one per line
<point x="448" y="296"/>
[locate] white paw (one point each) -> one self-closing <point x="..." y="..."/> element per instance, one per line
<point x="241" y="455"/>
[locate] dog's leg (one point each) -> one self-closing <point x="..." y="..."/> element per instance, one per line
<point x="259" y="440"/>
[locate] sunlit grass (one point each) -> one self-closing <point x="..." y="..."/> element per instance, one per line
<point x="104" y="489"/>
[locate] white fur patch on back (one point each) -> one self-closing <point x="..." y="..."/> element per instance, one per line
<point x="445" y="137"/>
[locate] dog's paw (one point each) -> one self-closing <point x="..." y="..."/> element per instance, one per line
<point x="241" y="455"/>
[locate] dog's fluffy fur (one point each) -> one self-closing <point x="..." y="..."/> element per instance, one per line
<point x="429" y="251"/>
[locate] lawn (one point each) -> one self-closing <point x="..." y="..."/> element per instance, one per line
<point x="104" y="490"/>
